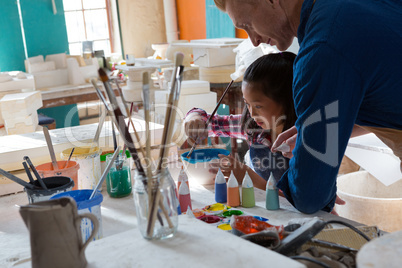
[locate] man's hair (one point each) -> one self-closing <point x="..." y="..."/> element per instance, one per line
<point x="274" y="73"/>
<point x="221" y="5"/>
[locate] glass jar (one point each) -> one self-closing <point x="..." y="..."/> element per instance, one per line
<point x="118" y="180"/>
<point x="167" y="217"/>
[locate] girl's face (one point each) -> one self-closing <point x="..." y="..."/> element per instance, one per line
<point x="265" y="111"/>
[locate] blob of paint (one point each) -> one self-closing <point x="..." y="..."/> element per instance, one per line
<point x="198" y="212"/>
<point x="210" y="219"/>
<point x="215" y="207"/>
<point x="225" y="226"/>
<point x="229" y="213"/>
<point x="260" y="218"/>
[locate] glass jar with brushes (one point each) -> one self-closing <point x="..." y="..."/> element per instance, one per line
<point x="163" y="224"/>
<point x="118" y="180"/>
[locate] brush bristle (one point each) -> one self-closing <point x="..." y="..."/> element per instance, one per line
<point x="102" y="74"/>
<point x="179" y="57"/>
<point x="145" y="79"/>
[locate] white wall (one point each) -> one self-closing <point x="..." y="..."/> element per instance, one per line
<point x="142" y="24"/>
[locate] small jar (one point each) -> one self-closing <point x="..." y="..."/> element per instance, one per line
<point x="166" y="221"/>
<point x="118" y="180"/>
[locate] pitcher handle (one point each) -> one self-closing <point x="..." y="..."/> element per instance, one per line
<point x="95" y="223"/>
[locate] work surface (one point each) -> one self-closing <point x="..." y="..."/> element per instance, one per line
<point x="195" y="244"/>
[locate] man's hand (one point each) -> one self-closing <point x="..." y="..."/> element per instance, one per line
<point x="285" y="142"/>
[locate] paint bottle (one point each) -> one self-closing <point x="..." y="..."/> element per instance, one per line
<point x="272" y="196"/>
<point x="184" y="197"/>
<point x="233" y="192"/>
<point x="247" y="192"/>
<point x="182" y="178"/>
<point x="220" y="188"/>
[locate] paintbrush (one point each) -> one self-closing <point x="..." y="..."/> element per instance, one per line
<point x="121" y="126"/>
<point x="105" y="172"/>
<point x="210" y="117"/>
<point x="114" y="137"/>
<point x="50" y="147"/>
<point x="169" y="123"/>
<point x="168" y="114"/>
<point x="119" y="164"/>
<point x="28" y="172"/>
<point x="69" y="157"/>
<point x="121" y="93"/>
<point x="98" y="129"/>
<point x="100" y="95"/>
<point x="145" y="91"/>
<point x="42" y="184"/>
<point x="16" y="179"/>
<point x="102" y="98"/>
<point x="129" y="118"/>
<point x="119" y="121"/>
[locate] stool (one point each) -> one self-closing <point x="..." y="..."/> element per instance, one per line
<point x="46" y="121"/>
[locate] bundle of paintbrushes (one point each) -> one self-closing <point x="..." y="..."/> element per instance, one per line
<point x="151" y="184"/>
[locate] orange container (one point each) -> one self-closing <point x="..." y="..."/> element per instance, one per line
<point x="71" y="171"/>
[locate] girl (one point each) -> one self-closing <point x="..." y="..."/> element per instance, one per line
<point x="268" y="111"/>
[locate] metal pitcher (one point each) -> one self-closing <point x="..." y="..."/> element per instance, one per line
<point x="55" y="233"/>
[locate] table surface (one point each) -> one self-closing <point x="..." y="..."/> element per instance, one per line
<point x="120" y="224"/>
<point x="69" y="94"/>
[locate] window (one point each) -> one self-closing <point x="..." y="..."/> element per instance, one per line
<point x="88" y="20"/>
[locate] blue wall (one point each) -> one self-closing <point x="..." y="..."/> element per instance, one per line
<point x="45" y="32"/>
<point x="218" y="23"/>
<point x="11" y="46"/>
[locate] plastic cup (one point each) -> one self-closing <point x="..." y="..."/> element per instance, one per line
<point x="90" y="167"/>
<point x="84" y="205"/>
<point x="71" y="171"/>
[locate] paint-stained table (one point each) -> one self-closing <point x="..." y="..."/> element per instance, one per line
<point x="123" y="245"/>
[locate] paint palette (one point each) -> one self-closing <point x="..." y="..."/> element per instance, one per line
<point x="219" y="215"/>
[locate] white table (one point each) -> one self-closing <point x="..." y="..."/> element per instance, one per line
<point x="122" y="238"/>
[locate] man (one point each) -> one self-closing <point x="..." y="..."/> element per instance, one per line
<point x="347" y="77"/>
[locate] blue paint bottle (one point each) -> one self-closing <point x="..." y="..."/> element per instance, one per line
<point x="272" y="196"/>
<point x="220" y="188"/>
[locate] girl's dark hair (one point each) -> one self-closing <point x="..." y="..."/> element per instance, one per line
<point x="274" y="73"/>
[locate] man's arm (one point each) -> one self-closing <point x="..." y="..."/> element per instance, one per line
<point x="327" y="95"/>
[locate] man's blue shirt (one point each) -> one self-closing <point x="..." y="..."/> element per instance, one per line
<point x="348" y="71"/>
